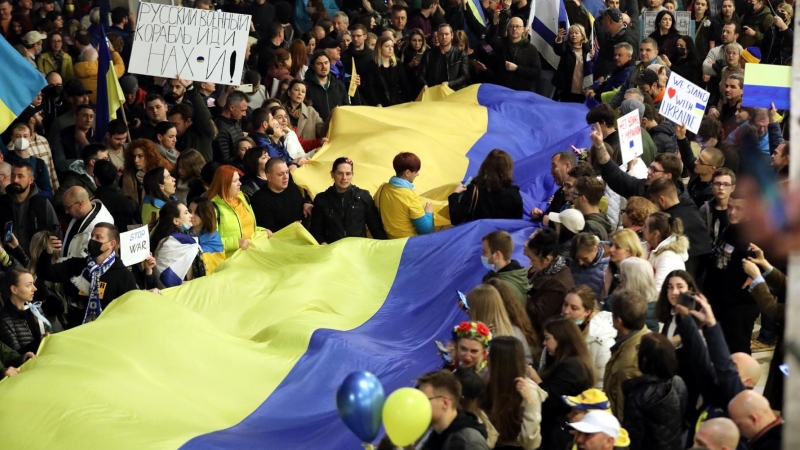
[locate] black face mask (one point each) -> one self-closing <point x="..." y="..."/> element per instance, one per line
<point x="53" y="91"/>
<point x="94" y="248"/>
<point x="680" y="51"/>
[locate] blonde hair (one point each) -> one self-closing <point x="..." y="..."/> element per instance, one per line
<point x="636" y="274"/>
<point x="581" y="30"/>
<point x="486" y="305"/>
<point x="627" y="239"/>
<point x="38" y="244"/>
<point x="377" y="53"/>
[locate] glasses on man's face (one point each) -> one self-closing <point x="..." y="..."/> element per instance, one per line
<point x="719" y="185"/>
<point x="516" y="26"/>
<point x="701" y="163"/>
<point x="654" y="169"/>
<point x="67" y="208"/>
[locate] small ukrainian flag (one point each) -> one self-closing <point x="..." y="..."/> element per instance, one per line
<point x="20" y="83"/>
<point x="699" y="109"/>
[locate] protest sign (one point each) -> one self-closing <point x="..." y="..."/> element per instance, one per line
<point x="199" y="45"/>
<point x="684" y="23"/>
<point x="684" y="102"/>
<point x="765" y="84"/>
<point x="353" y="85"/>
<point x="134" y="246"/>
<point x="630" y="136"/>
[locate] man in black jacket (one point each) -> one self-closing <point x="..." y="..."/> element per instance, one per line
<point x="25" y="208"/>
<point x="452" y="428"/>
<point x="517" y="64"/>
<point x="664" y="194"/>
<point x="700" y="168"/>
<point x="114" y="281"/>
<point x="184" y="118"/>
<point x="363" y="57"/>
<point x="122" y="208"/>
<point x="447" y="65"/>
<point x="324" y="91"/>
<point x="229" y="131"/>
<point x="280" y="202"/>
<point x="263" y="15"/>
<point x="344" y="210"/>
<point x="614" y="31"/>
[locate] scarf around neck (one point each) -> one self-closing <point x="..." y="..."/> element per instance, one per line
<point x="89" y="280"/>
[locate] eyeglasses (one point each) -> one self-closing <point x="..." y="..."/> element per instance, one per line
<point x="654" y="169"/>
<point x="516" y="26"/>
<point x="719" y="185"/>
<point x="700" y="162"/>
<point x="67" y="208"/>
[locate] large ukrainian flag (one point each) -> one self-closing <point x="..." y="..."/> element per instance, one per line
<point x="20" y="83"/>
<point x="251" y="356"/>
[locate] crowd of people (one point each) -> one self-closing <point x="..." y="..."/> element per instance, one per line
<point x="630" y="324"/>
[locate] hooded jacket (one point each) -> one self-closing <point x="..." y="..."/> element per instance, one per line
<point x="593" y="275"/>
<point x="465" y="432"/>
<point x="599" y="340"/>
<point x="654" y="411"/>
<point x="86" y="72"/>
<point x="75" y="176"/>
<point x="79" y="231"/>
<point x="516" y="276"/>
<point x="229" y="131"/>
<point x="694" y="227"/>
<point x="32" y="215"/>
<point x="663" y="136"/>
<point x="599" y="225"/>
<point x="325" y="97"/>
<point x="671" y="254"/>
<point x="759" y="21"/>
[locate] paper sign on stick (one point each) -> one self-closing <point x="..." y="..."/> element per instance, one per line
<point x="199" y="45"/>
<point x="353" y="86"/>
<point x="684" y="102"/>
<point x="630" y="136"/>
<point x="134" y="246"/>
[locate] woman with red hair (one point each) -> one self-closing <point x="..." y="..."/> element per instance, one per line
<point x="236" y="221"/>
<point x="401" y="208"/>
<point x="141" y="156"/>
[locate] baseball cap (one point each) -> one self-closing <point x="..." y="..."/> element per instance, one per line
<point x="603" y="422"/>
<point x="75" y="88"/>
<point x="129" y="84"/>
<point x="614" y="14"/>
<point x="32" y="37"/>
<point x="570" y="218"/>
<point x="588" y="400"/>
<point x="29" y="112"/>
<point x="647" y="77"/>
<point x="327" y="42"/>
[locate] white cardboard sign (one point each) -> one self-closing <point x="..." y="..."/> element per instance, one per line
<point x="134" y="245"/>
<point x="199" y="45"/>
<point x="684" y="23"/>
<point x="630" y="136"/>
<point x="684" y="102"/>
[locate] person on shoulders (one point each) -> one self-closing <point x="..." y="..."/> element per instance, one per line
<point x="401" y="208"/>
<point x="344" y="210"/>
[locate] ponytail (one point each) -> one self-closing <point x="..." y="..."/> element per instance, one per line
<point x="665" y="224"/>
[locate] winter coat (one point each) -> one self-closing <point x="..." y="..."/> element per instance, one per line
<point x="617" y="78"/>
<point x="569" y="378"/>
<point x="337" y="216"/>
<point x="200" y="135"/>
<point x="465" y="432"/>
<point x="76" y="176"/>
<point x="505" y="203"/>
<point x="654" y="411"/>
<point x="547" y="295"/>
<point x="34" y="214"/>
<point x="86" y="72"/>
<point x="117" y="280"/>
<point x="436" y="68"/>
<point x="776" y="47"/>
<point x="599" y="339"/>
<point x="671" y="254"/>
<point x="663" y="135"/>
<point x="228" y="133"/>
<point x="759" y="21"/>
<point x="604" y="60"/>
<point x="641" y="66"/>
<point x="615" y="204"/>
<point x="19" y="329"/>
<point x="623" y="365"/>
<point x="693" y="226"/>
<point x="324" y="98"/>
<point x="228" y="223"/>
<point x="46" y="64"/>
<point x="515" y="276"/>
<point x="525" y="56"/>
<point x="308" y="122"/>
<point x="562" y="80"/>
<point x="599" y="225"/>
<point x="79" y="232"/>
<point x="530" y="434"/>
<point x="592" y="275"/>
<point x="389" y="85"/>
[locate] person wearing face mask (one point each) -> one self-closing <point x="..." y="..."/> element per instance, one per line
<point x="159" y="188"/>
<point x="496" y="250"/>
<point x="84" y="214"/>
<point x="345" y="210"/>
<point x="91" y="282"/>
<point x="55" y="101"/>
<point x="39" y="147"/>
<point x="175" y="248"/>
<point x="597" y="327"/>
<point x="20" y="152"/>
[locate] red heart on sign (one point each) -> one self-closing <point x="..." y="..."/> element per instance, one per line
<point x="671" y="92"/>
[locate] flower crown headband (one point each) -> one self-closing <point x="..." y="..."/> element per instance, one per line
<point x="473" y="330"/>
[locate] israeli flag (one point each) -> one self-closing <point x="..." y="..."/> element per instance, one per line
<point x="545" y="15"/>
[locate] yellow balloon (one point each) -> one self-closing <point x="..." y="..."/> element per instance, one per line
<point x="406" y="415"/>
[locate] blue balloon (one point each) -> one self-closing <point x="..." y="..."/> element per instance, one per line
<point x="359" y="401"/>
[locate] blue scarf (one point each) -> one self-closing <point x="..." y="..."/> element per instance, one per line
<point x="89" y="281"/>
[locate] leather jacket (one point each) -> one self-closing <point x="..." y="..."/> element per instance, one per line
<point x="456" y="65"/>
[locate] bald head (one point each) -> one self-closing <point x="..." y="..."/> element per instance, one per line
<point x="749" y="369"/>
<point x="76" y="202"/>
<point x="717" y="434"/>
<point x="751" y="412"/>
<point x="5" y="176"/>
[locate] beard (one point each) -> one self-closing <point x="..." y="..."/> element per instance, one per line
<point x="15" y="188"/>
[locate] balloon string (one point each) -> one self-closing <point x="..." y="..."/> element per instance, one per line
<point x="367" y="446"/>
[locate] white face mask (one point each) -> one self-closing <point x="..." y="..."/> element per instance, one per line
<point x="21" y="144"/>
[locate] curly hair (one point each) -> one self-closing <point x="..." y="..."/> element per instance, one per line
<point x="152" y="156"/>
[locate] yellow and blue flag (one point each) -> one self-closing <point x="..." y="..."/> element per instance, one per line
<point x="20" y="83"/>
<point x="109" y="93"/>
<point x="766" y="84"/>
